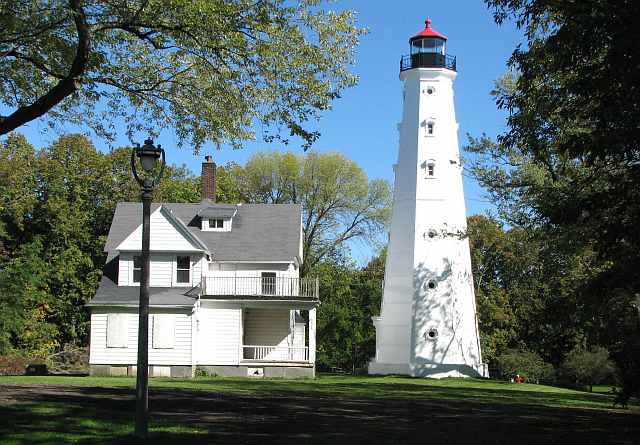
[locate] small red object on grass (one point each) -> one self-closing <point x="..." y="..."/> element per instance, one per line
<point x="518" y="378"/>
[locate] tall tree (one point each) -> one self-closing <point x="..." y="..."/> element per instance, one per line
<point x="208" y="69"/>
<point x="572" y="150"/>
<point x="577" y="92"/>
<point x="338" y="201"/>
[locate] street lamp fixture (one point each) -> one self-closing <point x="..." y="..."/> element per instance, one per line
<point x="149" y="156"/>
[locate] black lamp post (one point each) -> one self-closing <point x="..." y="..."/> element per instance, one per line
<point x="149" y="156"/>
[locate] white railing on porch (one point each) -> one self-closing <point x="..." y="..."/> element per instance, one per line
<point x="275" y="353"/>
<point x="261" y="286"/>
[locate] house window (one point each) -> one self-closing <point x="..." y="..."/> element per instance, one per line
<point x="117" y="330"/>
<point x="268" y="283"/>
<point x="216" y="223"/>
<point x="183" y="270"/>
<point x="430" y="126"/>
<point x="164" y="331"/>
<point x="137" y="268"/>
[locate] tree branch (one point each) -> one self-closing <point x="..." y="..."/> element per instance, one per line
<point x="37" y="63"/>
<point x="65" y="87"/>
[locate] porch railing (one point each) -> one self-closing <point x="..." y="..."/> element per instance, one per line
<point x="260" y="286"/>
<point x="275" y="353"/>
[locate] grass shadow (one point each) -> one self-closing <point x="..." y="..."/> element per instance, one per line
<point x="365" y="410"/>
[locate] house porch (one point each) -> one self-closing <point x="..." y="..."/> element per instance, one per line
<point x="259" y="338"/>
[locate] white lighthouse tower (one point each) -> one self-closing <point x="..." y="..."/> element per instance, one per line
<point x="427" y="326"/>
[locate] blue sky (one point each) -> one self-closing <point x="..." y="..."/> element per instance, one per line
<point x="362" y="124"/>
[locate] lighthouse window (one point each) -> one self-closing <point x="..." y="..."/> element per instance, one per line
<point x="430" y="126"/>
<point x="431" y="170"/>
<point x="431" y="284"/>
<point x="430" y="90"/>
<point x="431" y="334"/>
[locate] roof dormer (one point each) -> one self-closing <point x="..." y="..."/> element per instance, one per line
<point x="217" y="218"/>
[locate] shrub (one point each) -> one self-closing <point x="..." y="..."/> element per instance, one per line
<point x="203" y="372"/>
<point x="587" y="368"/>
<point x="71" y="359"/>
<point x="528" y="364"/>
<point x="13" y="364"/>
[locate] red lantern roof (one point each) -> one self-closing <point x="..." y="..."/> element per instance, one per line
<point x="428" y="31"/>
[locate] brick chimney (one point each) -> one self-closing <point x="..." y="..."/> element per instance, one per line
<point x="208" y="179"/>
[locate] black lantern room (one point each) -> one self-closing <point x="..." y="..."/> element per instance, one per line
<point x="428" y="50"/>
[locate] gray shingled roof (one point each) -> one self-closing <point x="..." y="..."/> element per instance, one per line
<point x="110" y="294"/>
<point x="260" y="232"/>
<point x="218" y="211"/>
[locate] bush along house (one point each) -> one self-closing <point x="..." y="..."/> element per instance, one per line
<point x="225" y="292"/>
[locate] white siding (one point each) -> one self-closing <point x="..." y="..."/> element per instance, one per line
<point x="124" y="265"/>
<point x="165" y="236"/>
<point x="248" y="269"/>
<point x="180" y="354"/>
<point x="219" y="328"/>
<point x="196" y="269"/>
<point x="163" y="269"/>
<point x="251" y="269"/>
<point x="299" y="334"/>
<point x="268" y="327"/>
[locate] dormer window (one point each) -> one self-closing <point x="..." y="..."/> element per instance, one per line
<point x="218" y="217"/>
<point x="216" y="223"/>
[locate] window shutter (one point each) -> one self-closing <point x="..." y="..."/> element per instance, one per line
<point x="117" y="330"/>
<point x="164" y="331"/>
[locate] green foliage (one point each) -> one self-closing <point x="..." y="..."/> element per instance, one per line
<point x="209" y="69"/>
<point x="525" y="290"/>
<point x="350" y="297"/>
<point x="587" y="368"/>
<point x="527" y="364"/>
<point x="26" y="303"/>
<point x="228" y="184"/>
<point x="496" y="316"/>
<point x="567" y="166"/>
<point x="576" y="92"/>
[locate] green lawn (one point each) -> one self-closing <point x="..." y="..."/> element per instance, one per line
<point x="329" y="409"/>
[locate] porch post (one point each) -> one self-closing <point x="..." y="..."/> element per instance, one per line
<point x="312" y="336"/>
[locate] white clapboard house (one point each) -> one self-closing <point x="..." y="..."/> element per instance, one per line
<point x="225" y="292"/>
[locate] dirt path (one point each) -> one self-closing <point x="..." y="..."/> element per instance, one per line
<point x="300" y="418"/>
